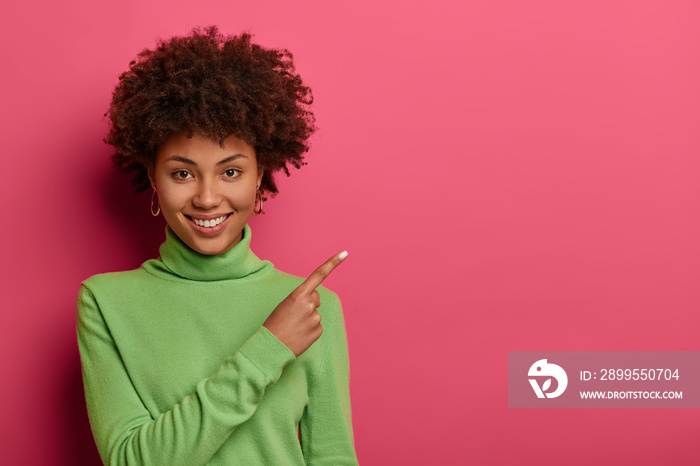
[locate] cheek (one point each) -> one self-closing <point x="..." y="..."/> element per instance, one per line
<point x="243" y="198"/>
<point x="172" y="199"/>
<point x="243" y="194"/>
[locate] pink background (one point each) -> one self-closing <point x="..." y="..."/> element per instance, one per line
<point x="507" y="175"/>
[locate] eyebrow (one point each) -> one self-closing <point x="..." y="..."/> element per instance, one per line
<point x="179" y="158"/>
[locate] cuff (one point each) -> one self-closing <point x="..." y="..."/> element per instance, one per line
<point x="267" y="353"/>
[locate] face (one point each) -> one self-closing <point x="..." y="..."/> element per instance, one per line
<point x="206" y="192"/>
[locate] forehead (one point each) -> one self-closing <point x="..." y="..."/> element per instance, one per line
<point x="203" y="150"/>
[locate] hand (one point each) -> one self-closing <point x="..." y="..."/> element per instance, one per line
<point x="295" y="321"/>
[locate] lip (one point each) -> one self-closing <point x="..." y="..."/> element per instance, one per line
<point x="211" y="231"/>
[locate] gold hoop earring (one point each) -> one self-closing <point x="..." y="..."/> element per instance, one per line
<point x="258" y="195"/>
<point x="154" y="197"/>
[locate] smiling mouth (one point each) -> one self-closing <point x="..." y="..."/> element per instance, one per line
<point x="210" y="223"/>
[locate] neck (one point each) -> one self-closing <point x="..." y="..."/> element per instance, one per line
<point x="237" y="262"/>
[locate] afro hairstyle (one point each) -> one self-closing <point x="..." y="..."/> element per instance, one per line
<point x="217" y="86"/>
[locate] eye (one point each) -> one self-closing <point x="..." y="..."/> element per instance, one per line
<point x="182" y="175"/>
<point x="231" y="173"/>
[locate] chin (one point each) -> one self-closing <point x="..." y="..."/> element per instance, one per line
<point x="213" y="245"/>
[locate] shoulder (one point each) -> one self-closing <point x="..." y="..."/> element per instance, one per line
<point x="106" y="284"/>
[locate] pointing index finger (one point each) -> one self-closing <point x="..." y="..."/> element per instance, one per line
<point x="321" y="273"/>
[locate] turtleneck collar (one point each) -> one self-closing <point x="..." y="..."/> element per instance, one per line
<point x="179" y="259"/>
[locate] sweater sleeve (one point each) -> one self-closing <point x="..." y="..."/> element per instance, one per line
<point x="192" y="430"/>
<point x="326" y="426"/>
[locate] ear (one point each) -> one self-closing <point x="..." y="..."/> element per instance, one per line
<point x="261" y="172"/>
<point x="152" y="178"/>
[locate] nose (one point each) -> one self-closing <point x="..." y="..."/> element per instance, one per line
<point x="207" y="195"/>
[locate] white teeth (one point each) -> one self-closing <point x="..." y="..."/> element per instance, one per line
<point x="209" y="223"/>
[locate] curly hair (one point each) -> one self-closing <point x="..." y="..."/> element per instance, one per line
<point x="217" y="86"/>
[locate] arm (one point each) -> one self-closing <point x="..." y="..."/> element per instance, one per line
<point x="192" y="430"/>
<point x="326" y="427"/>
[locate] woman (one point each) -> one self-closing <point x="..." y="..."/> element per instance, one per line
<point x="208" y="355"/>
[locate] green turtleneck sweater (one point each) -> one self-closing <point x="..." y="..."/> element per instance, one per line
<point x="178" y="369"/>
